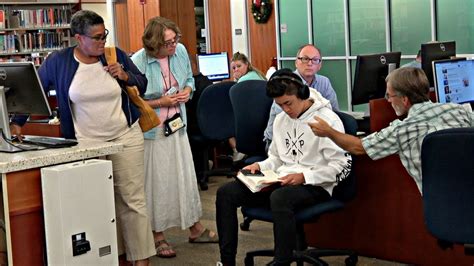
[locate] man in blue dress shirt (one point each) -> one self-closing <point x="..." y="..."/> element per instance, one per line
<point x="308" y="63"/>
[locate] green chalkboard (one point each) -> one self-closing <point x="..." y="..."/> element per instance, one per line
<point x="367" y="26"/>
<point x="456" y="22"/>
<point x="335" y="70"/>
<point x="293" y="26"/>
<point x="328" y="26"/>
<point x="288" y="64"/>
<point x="411" y="25"/>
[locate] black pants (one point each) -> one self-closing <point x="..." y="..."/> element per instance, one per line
<point x="283" y="201"/>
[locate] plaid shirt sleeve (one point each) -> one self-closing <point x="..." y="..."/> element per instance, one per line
<point x="383" y="143"/>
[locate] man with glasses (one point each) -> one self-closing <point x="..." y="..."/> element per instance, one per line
<point x="407" y="92"/>
<point x="308" y="63"/>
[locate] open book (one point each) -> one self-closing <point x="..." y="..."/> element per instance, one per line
<point x="257" y="182"/>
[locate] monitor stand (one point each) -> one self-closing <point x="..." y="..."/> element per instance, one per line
<point x="5" y="135"/>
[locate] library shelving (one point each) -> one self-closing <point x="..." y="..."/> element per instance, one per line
<point x="30" y="30"/>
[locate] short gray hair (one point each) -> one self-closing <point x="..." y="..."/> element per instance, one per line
<point x="410" y="82"/>
<point x="82" y="20"/>
<point x="306" y="45"/>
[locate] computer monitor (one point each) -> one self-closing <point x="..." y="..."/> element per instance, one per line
<point x="21" y="92"/>
<point x="371" y="71"/>
<point x="454" y="80"/>
<point x="215" y="66"/>
<point x="435" y="51"/>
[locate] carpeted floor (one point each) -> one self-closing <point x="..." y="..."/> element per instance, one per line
<point x="259" y="236"/>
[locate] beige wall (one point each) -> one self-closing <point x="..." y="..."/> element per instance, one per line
<point x="101" y="9"/>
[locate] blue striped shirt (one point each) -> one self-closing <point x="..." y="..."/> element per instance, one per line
<point x="323" y="85"/>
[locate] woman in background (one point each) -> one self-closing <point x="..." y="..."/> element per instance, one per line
<point x="242" y="70"/>
<point x="170" y="180"/>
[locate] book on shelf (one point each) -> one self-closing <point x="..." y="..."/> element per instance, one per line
<point x="2" y="19"/>
<point x="39" y="18"/>
<point x="260" y="180"/>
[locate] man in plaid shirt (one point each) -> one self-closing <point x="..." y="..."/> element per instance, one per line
<point x="407" y="92"/>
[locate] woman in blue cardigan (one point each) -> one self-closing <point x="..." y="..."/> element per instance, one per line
<point x="93" y="105"/>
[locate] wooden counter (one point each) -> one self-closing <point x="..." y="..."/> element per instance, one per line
<point x="22" y="200"/>
<point x="385" y="220"/>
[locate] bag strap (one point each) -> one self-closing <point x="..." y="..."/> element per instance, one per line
<point x="110" y="54"/>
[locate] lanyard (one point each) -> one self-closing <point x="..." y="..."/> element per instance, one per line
<point x="167" y="86"/>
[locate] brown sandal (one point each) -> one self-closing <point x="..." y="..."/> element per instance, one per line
<point x="163" y="245"/>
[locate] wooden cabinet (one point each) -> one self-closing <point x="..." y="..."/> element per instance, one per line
<point x="131" y="17"/>
<point x="130" y="20"/>
<point x="29" y="31"/>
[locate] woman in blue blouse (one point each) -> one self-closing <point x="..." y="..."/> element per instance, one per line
<point x="243" y="70"/>
<point x="170" y="180"/>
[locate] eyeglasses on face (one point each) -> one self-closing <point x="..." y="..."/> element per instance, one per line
<point x="314" y="60"/>
<point x="388" y="96"/>
<point x="99" y="38"/>
<point x="172" y="42"/>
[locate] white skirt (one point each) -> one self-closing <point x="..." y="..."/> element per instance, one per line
<point x="170" y="182"/>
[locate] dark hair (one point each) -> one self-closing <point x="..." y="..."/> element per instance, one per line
<point x="153" y="37"/>
<point x="82" y="20"/>
<point x="285" y="82"/>
<point x="410" y="82"/>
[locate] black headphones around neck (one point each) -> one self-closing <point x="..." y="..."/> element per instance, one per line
<point x="303" y="89"/>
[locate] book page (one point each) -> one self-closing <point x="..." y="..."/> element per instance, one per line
<point x="256" y="183"/>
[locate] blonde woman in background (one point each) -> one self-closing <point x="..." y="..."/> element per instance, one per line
<point x="242" y="70"/>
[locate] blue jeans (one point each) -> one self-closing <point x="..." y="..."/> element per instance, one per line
<point x="283" y="202"/>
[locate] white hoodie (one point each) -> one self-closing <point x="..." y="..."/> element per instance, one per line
<point x="295" y="149"/>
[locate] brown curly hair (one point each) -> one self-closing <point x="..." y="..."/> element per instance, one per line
<point x="153" y="37"/>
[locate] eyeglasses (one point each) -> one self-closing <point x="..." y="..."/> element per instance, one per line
<point x="388" y="96"/>
<point x="99" y="38"/>
<point x="173" y="42"/>
<point x="306" y="60"/>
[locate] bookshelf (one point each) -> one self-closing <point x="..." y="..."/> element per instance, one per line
<point x="30" y="30"/>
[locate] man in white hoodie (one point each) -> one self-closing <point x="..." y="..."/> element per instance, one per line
<point x="309" y="168"/>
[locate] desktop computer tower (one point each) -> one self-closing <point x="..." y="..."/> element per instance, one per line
<point x="79" y="213"/>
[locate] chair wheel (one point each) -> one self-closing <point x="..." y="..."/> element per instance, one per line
<point x="351" y="260"/>
<point x="244" y="226"/>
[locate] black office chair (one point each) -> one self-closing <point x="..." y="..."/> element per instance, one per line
<point x="251" y="107"/>
<point x="447" y="158"/>
<point x="344" y="191"/>
<point x="216" y="122"/>
<point x="199" y="147"/>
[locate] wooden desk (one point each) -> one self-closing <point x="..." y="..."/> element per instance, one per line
<point x="385" y="220"/>
<point x="22" y="200"/>
<point x="41" y="129"/>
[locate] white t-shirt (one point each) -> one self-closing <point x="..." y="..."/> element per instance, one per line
<point x="96" y="104"/>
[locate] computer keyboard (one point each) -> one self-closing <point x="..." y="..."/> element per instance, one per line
<point x="50" y="142"/>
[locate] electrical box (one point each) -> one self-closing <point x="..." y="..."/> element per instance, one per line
<point x="79" y="213"/>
